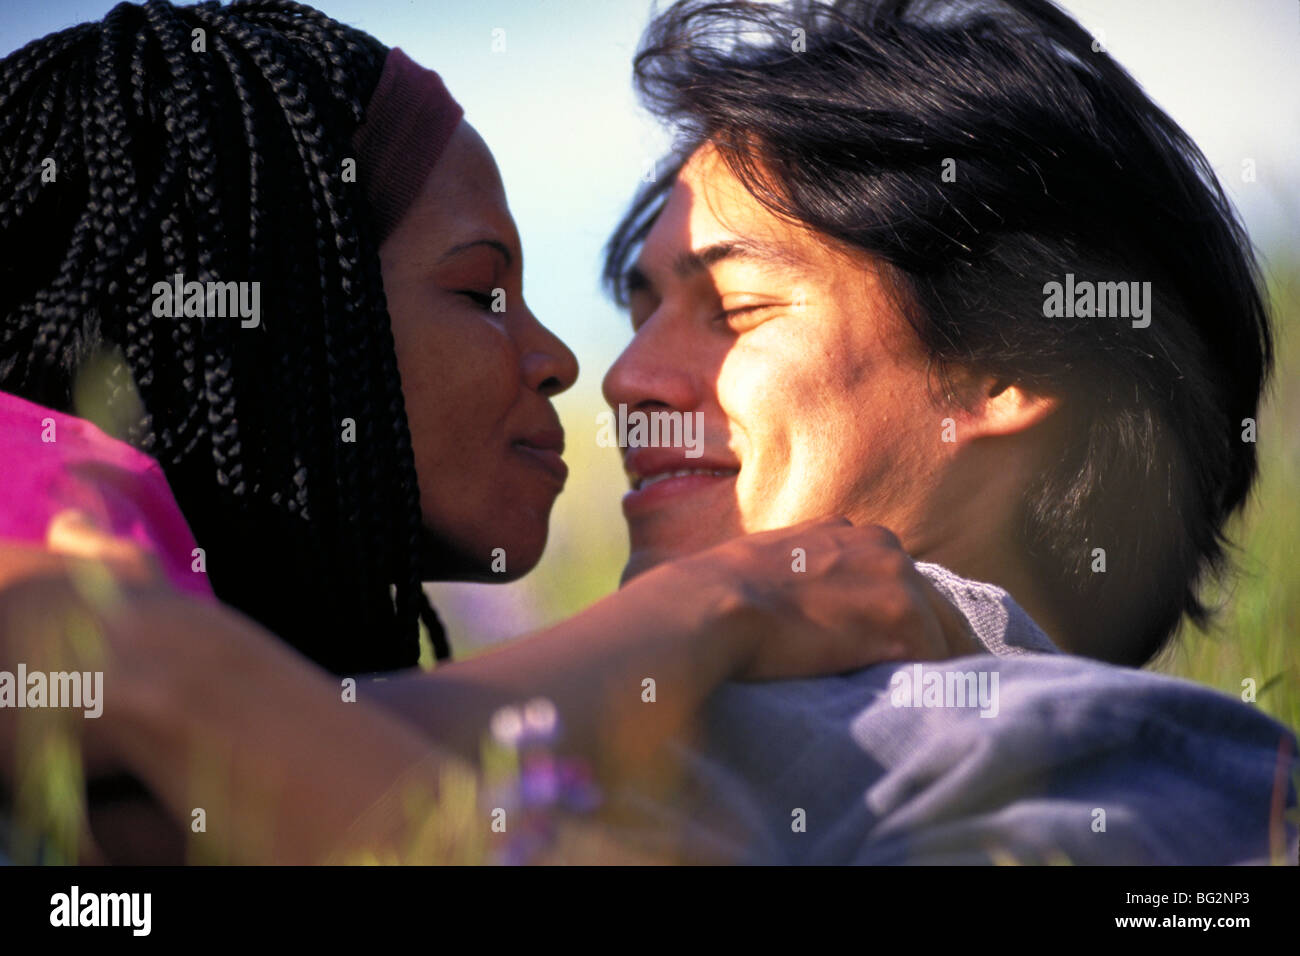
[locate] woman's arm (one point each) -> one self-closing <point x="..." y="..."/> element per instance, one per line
<point x="196" y="689"/>
<point x="734" y="612"/>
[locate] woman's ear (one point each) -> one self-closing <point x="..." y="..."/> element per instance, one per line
<point x="1005" y="408"/>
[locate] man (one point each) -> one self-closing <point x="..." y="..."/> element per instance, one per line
<point x="945" y="268"/>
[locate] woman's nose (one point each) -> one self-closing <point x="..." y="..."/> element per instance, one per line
<point x="549" y="366"/>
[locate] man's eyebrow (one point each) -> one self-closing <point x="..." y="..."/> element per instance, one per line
<point x="694" y="261"/>
<point x="496" y="244"/>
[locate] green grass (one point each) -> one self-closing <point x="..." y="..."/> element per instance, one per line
<point x="1254" y="635"/>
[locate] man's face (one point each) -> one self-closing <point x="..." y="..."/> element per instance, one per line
<point x="812" y="389"/>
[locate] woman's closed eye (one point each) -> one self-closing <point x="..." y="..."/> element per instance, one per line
<point x="484" y="300"/>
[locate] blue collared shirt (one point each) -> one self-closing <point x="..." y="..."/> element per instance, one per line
<point x="1023" y="754"/>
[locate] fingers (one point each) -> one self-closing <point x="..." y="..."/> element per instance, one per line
<point x="959" y="638"/>
<point x="906" y="605"/>
<point x="881" y="536"/>
<point x="859" y="601"/>
<point x="836" y="529"/>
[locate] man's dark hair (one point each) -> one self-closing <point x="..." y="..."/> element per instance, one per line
<point x="223" y="165"/>
<point x="1063" y="165"/>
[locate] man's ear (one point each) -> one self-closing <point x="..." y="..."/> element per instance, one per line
<point x="1004" y="408"/>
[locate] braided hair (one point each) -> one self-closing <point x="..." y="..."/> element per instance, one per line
<point x="210" y="141"/>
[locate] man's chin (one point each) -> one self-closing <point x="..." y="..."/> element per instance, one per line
<point x="642" y="560"/>
<point x="636" y="565"/>
<point x="653" y="547"/>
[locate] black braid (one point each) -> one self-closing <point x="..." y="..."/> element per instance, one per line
<point x="224" y="165"/>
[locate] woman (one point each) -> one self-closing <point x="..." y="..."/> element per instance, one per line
<point x="376" y="415"/>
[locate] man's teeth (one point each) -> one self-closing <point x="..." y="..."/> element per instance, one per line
<point x="681" y="473"/>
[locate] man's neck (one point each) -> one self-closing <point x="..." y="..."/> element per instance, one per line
<point x="1001" y="566"/>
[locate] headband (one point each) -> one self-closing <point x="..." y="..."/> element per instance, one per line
<point x="408" y="121"/>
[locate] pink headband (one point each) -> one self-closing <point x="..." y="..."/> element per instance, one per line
<point x="407" y="123"/>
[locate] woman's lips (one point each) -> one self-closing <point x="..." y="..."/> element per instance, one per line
<point x="547" y="459"/>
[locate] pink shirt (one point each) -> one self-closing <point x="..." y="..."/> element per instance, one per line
<point x="120" y="488"/>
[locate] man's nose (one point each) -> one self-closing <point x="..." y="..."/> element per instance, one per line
<point x="653" y="369"/>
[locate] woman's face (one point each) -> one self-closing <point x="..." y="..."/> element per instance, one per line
<point x="478" y="370"/>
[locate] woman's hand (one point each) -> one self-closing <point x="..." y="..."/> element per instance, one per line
<point x="209" y="711"/>
<point x="823" y="597"/>
<point x="50" y="604"/>
<point x="53" y="600"/>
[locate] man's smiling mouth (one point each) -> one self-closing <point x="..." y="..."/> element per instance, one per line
<point x="657" y="476"/>
<point x="641" y="482"/>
